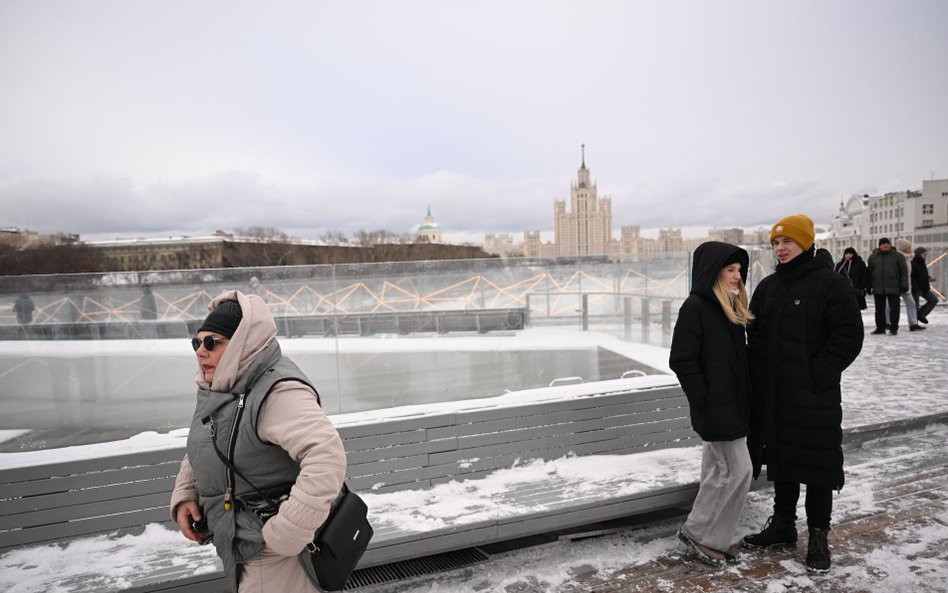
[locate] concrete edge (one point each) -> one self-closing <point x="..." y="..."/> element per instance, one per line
<point x="857" y="435"/>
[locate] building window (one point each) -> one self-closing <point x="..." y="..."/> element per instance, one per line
<point x="926" y="222"/>
<point x="928" y="208"/>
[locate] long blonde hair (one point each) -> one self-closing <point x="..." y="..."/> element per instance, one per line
<point x="735" y="306"/>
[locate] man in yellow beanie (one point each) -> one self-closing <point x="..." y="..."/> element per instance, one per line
<point x="806" y="330"/>
<point x="798" y="228"/>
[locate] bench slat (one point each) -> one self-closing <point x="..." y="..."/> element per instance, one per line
<point x="86" y="510"/>
<point x="357" y="458"/>
<point x="88" y="480"/>
<point x="385" y="440"/>
<point x="100" y="525"/>
<point x="542" y="416"/>
<point x="634" y="423"/>
<point x="409" y="424"/>
<point x="82" y="466"/>
<point x="556" y="404"/>
<point x="77" y="500"/>
<point x="579" y="445"/>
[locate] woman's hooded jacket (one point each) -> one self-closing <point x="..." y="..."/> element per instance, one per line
<point x="708" y="352"/>
<point x="855" y="270"/>
<point x="259" y="399"/>
<point x="806" y="330"/>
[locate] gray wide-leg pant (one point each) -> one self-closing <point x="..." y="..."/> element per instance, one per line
<point x="722" y="490"/>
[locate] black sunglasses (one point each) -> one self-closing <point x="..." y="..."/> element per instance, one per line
<point x="208" y="341"/>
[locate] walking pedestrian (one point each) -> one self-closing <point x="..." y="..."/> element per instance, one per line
<point x="257" y="288"/>
<point x="709" y="356"/>
<point x="904" y="246"/>
<point x="921" y="285"/>
<point x="806" y="330"/>
<point x="888" y="278"/>
<point x="263" y="462"/>
<point x="24" y="306"/>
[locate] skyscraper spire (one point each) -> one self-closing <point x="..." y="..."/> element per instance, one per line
<point x="583" y="147"/>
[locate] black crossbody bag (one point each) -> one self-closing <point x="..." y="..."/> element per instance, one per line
<point x="340" y="542"/>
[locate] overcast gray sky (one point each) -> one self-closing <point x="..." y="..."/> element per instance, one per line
<point x="134" y="118"/>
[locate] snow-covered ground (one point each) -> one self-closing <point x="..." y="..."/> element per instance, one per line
<point x="910" y="554"/>
<point x="895" y="378"/>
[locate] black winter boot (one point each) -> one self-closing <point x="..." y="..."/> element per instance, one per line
<point x="780" y="530"/>
<point x="818" y="553"/>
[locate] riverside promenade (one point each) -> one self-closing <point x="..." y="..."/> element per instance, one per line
<point x="890" y="529"/>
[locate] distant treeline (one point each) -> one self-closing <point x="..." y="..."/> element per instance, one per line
<point x="83" y="258"/>
<point x="245" y="255"/>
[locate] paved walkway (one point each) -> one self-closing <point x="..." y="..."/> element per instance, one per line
<point x="890" y="534"/>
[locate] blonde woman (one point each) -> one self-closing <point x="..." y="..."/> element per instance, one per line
<point x="708" y="354"/>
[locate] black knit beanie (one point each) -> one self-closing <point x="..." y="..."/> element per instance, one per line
<point x="224" y="319"/>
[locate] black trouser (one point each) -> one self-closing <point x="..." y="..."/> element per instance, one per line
<point x="819" y="503"/>
<point x="930" y="301"/>
<point x="894" y="303"/>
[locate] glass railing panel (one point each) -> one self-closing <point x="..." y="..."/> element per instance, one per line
<point x="107" y="355"/>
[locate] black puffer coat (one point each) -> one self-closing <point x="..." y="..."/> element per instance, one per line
<point x="888" y="272"/>
<point x="807" y="330"/>
<point x="709" y="353"/>
<point x="920" y="282"/>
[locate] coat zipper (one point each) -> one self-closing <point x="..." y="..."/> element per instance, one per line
<point x="232" y="444"/>
<point x="231" y="478"/>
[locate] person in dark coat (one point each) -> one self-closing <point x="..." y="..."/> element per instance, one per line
<point x="921" y="285"/>
<point x="709" y="356"/>
<point x="24" y="307"/>
<point x="806" y="330"/>
<point x="888" y="279"/>
<point x="854" y="269"/>
<point x="149" y="310"/>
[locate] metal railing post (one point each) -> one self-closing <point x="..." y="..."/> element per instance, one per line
<point x="645" y="319"/>
<point x="627" y="317"/>
<point x="666" y="316"/>
<point x="585" y="312"/>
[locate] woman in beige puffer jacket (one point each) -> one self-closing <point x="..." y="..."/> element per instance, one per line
<point x="308" y="461"/>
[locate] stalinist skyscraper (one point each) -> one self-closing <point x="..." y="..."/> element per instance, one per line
<point x="587" y="229"/>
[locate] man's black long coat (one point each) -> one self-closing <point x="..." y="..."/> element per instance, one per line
<point x="807" y="330"/>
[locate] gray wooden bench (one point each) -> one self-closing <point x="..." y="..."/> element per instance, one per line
<point x="50" y="503"/>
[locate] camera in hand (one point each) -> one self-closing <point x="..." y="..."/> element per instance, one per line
<point x="201" y="528"/>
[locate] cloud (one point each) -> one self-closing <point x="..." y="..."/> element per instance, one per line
<point x="147" y="117"/>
